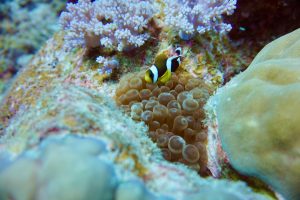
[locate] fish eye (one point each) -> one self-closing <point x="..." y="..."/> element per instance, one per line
<point x="177" y="46"/>
<point x="178" y="51"/>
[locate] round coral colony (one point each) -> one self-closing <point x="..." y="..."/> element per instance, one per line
<point x="173" y="113"/>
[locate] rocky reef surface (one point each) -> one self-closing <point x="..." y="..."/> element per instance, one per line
<point x="80" y="121"/>
<point x="24" y="26"/>
<point x="60" y="132"/>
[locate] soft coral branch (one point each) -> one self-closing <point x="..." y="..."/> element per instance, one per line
<point x="190" y="17"/>
<point x="113" y="24"/>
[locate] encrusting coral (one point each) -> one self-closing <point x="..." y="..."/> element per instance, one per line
<point x="173" y="113"/>
<point x="25" y="25"/>
<point x="23" y="29"/>
<point x="258" y="118"/>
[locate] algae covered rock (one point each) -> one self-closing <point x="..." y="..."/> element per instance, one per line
<point x="258" y="116"/>
<point x="99" y="156"/>
<point x="63" y="137"/>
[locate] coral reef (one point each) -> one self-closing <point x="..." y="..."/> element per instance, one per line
<point x="80" y="122"/>
<point x="209" y="56"/>
<point x="47" y="68"/>
<point x="173" y="113"/>
<point x="109" y="65"/>
<point x="114" y="154"/>
<point x="190" y="17"/>
<point x="211" y="51"/>
<point x="59" y="102"/>
<point x="58" y="169"/>
<point x="23" y="29"/>
<point x="115" y="25"/>
<point x="55" y="164"/>
<point x="257" y="119"/>
<point x="50" y="66"/>
<point x="25" y="25"/>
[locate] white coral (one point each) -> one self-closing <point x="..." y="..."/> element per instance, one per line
<point x="114" y="24"/>
<point x="190" y="17"/>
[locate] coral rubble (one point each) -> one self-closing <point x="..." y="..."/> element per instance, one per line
<point x="258" y="120"/>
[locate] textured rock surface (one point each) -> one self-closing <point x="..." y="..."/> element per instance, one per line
<point x="25" y="25"/>
<point x="58" y="94"/>
<point x="258" y="116"/>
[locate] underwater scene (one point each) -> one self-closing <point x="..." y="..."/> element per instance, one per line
<point x="150" y="100"/>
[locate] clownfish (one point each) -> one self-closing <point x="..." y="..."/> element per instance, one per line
<point x="163" y="67"/>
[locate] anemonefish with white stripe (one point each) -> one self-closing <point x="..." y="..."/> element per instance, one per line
<point x="163" y="67"/>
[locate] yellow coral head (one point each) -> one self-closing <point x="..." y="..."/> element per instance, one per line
<point x="148" y="78"/>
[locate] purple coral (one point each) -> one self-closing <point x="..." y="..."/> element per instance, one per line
<point x="114" y="24"/>
<point x="108" y="65"/>
<point x="189" y="17"/>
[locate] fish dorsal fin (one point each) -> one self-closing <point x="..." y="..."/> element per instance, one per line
<point x="160" y="60"/>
